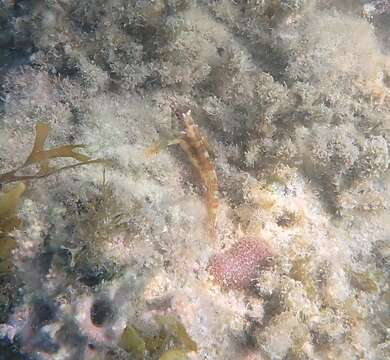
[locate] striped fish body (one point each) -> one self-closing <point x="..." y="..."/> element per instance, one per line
<point x="196" y="148"/>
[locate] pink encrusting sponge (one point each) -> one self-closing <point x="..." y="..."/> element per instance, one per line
<point x="237" y="267"/>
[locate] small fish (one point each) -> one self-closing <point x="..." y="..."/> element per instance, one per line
<point x="197" y="149"/>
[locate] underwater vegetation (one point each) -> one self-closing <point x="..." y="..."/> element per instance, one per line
<point x="263" y="235"/>
<point x="41" y="157"/>
<point x="10" y="200"/>
<point x="170" y="334"/>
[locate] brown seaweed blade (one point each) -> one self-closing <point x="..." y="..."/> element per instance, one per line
<point x="42" y="157"/>
<point x="9" y="202"/>
<point x="10" y="199"/>
<point x="41" y="133"/>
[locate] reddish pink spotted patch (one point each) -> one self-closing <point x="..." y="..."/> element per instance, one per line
<point x="237" y="267"/>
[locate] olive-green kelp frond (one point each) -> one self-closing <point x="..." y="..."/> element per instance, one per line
<point x="172" y="342"/>
<point x="41" y="158"/>
<point x="9" y="220"/>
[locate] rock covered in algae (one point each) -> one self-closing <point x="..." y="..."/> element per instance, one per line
<point x="236" y="267"/>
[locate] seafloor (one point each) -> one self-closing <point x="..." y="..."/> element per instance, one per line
<point x="120" y="258"/>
